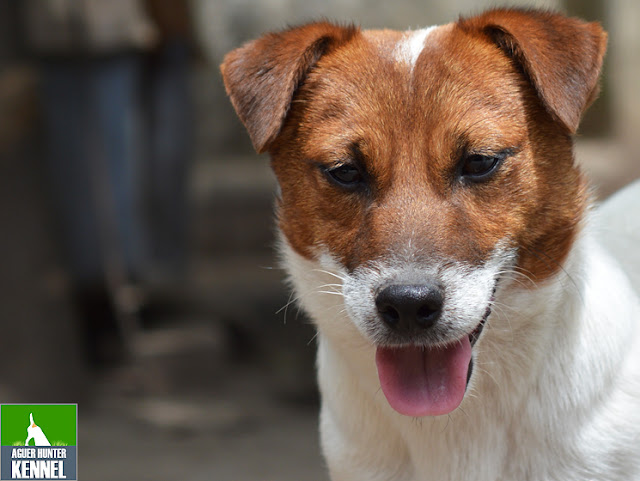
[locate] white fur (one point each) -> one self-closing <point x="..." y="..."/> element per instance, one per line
<point x="409" y="48"/>
<point x="555" y="393"/>
<point x="619" y="229"/>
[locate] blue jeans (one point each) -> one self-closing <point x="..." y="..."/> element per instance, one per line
<point x="169" y="129"/>
<point x="92" y="119"/>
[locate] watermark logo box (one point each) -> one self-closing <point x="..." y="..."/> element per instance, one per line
<point x="38" y="441"/>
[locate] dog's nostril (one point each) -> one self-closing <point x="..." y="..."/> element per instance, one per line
<point x="389" y="315"/>
<point x="427" y="313"/>
<point x="410" y="306"/>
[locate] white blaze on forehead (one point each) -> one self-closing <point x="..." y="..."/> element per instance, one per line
<point x="409" y="48"/>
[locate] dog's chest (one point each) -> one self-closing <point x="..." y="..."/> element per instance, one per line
<point x="459" y="453"/>
<point x="488" y="449"/>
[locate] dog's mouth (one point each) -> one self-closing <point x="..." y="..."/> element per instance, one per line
<point x="420" y="380"/>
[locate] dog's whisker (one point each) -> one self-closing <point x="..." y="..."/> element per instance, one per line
<point x="518" y="275"/>
<point x="551" y="262"/>
<point x="285" y="307"/>
<point x="315" y="336"/>
<point x="331" y="292"/>
<point x="339" y="286"/>
<point x="294" y="300"/>
<point x="489" y="375"/>
<point x="322" y="271"/>
<point x="446" y="424"/>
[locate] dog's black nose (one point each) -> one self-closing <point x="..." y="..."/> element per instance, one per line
<point x="410" y="306"/>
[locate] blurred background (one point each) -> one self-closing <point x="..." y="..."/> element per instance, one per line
<point x="137" y="272"/>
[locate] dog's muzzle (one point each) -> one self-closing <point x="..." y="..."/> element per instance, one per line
<point x="422" y="379"/>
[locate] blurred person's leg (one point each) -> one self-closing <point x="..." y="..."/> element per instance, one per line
<point x="119" y="151"/>
<point x="69" y="129"/>
<point x="170" y="151"/>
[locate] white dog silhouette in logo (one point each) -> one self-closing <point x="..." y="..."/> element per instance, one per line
<point x="35" y="432"/>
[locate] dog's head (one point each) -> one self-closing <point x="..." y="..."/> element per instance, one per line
<point x="420" y="167"/>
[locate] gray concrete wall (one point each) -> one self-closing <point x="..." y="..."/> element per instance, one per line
<point x="624" y="42"/>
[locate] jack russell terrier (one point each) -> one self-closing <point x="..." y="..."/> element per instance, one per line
<point x="474" y="322"/>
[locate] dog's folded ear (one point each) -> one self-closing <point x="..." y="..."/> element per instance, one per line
<point x="561" y="56"/>
<point x="262" y="76"/>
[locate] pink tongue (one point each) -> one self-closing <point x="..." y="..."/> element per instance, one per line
<point x="424" y="382"/>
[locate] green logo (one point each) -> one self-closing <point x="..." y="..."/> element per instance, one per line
<point x="38" y="441"/>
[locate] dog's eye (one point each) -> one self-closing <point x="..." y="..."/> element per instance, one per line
<point x="477" y="167"/>
<point x="345" y="175"/>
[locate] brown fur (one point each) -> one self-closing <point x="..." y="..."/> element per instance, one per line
<point x="262" y="76"/>
<point x="507" y="79"/>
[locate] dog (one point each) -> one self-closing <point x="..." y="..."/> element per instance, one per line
<point x="35" y="432"/>
<point x="473" y="322"/>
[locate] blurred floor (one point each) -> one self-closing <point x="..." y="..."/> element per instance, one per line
<point x="277" y="449"/>
<point x="232" y="433"/>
